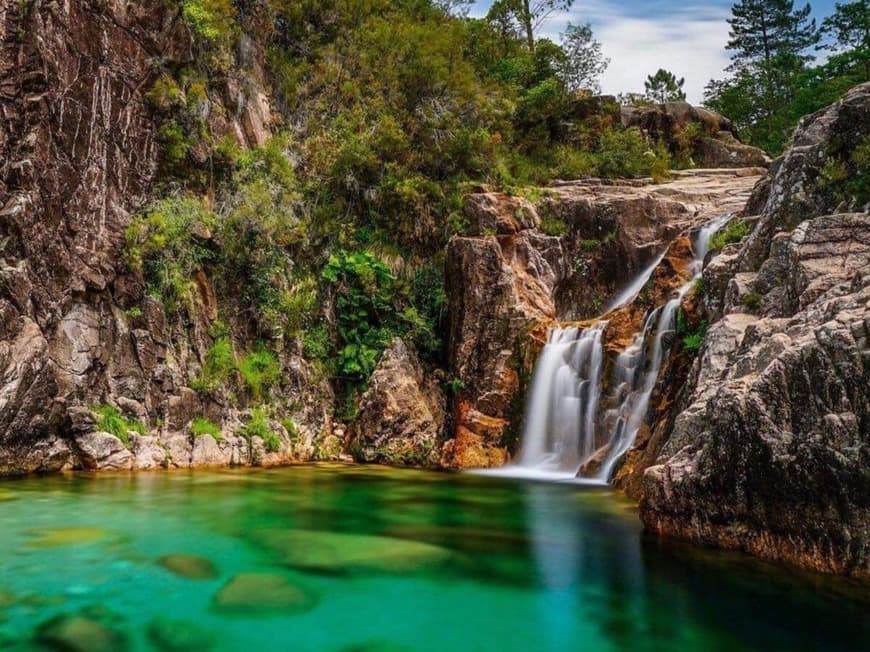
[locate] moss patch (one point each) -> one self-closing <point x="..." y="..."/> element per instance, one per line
<point x="189" y="566"/>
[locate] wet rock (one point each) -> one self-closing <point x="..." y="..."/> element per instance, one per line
<point x="253" y="594"/>
<point x="147" y="453"/>
<point x="189" y="566"/>
<point x="78" y="633"/>
<point x="403" y="412"/>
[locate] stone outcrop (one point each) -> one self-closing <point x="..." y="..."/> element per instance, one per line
<point x="402" y="414"/>
<point x="709" y="139"/>
<point x="766" y="448"/>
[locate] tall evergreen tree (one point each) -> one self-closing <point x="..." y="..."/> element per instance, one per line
<point x="848" y="31"/>
<point x="664" y="87"/>
<point x="771" y="44"/>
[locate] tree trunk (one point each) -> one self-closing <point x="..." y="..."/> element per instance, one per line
<point x="527" y="23"/>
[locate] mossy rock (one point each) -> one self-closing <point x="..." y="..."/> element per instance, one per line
<point x="178" y="636"/>
<point x="336" y="553"/>
<point x="252" y="594"/>
<point x="6" y="495"/>
<point x="69" y="536"/>
<point x="189" y="566"/>
<point x="79" y="633"/>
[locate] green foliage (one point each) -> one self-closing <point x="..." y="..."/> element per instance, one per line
<point x="291" y="428"/>
<point x="219" y="364"/>
<point x="590" y="245"/>
<point x="111" y="420"/>
<point x="169" y="243"/>
<point x="624" y="153"/>
<point x="260" y="370"/>
<point x="257" y="425"/>
<point x="692" y="337"/>
<point x="752" y="301"/>
<point x="733" y="232"/>
<point x="201" y="427"/>
<point x="554" y="226"/>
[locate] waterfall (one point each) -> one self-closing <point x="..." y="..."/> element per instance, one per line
<point x="570" y="423"/>
<point x="560" y="425"/>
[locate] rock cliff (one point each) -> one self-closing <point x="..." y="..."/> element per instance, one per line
<point x="767" y="450"/>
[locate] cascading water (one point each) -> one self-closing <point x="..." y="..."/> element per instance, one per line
<point x="560" y="426"/>
<point x="565" y="429"/>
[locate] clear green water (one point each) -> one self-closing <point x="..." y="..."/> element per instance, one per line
<point x="353" y="558"/>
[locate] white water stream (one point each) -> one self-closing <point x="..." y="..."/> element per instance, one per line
<point x="573" y="429"/>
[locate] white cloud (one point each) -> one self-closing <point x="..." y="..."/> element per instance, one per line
<point x="689" y="41"/>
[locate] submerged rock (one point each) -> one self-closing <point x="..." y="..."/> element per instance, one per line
<point x="179" y="636"/>
<point x="252" y="594"/>
<point x="78" y="633"/>
<point x="189" y="566"/>
<point x="69" y="536"/>
<point x="338" y="553"/>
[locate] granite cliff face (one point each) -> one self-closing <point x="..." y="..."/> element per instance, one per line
<point x="767" y="448"/>
<point x="79" y="152"/>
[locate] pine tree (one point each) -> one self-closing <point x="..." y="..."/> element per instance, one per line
<point x="849" y="30"/>
<point x="664" y="87"/>
<point x="771" y="44"/>
<point x="583" y="62"/>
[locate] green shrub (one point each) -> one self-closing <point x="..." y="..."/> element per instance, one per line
<point x="623" y="153"/>
<point x="692" y="337"/>
<point x="110" y="420"/>
<point x="220" y="363"/>
<point x="554" y="226"/>
<point x="733" y="232"/>
<point x="693" y="342"/>
<point x="589" y="245"/>
<point x="258" y="425"/>
<point x="291" y="428"/>
<point x="165" y="244"/>
<point x="202" y="426"/>
<point x="752" y="301"/>
<point x="260" y="370"/>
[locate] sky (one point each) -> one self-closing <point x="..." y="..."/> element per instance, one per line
<point x="685" y="36"/>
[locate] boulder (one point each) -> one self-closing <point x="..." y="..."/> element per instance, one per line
<point x="101" y="451"/>
<point x="402" y="414"/>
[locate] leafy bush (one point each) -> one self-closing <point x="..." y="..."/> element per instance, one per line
<point x="260" y="370"/>
<point x="752" y="301"/>
<point x="258" y="425"/>
<point x="220" y="363"/>
<point x="110" y="420"/>
<point x="169" y="244"/>
<point x="733" y="232"/>
<point x="692" y="337"/>
<point x="554" y="226"/>
<point x="623" y="153"/>
<point x="202" y="426"/>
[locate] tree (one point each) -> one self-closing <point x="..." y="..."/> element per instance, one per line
<point x="664" y="87"/>
<point x="849" y="30"/>
<point x="583" y="62"/>
<point x="770" y="42"/>
<point x="529" y="14"/>
<point x="455" y="7"/>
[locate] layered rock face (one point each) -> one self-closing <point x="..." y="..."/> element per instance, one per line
<point x="508" y="283"/>
<point x="402" y="414"/>
<point x="768" y="446"/>
<point x="79" y="151"/>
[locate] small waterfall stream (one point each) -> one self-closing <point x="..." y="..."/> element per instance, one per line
<point x="573" y="429"/>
